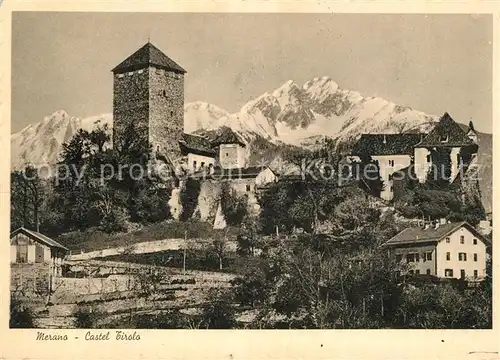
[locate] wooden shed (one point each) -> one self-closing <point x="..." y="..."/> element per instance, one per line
<point x="28" y="246"/>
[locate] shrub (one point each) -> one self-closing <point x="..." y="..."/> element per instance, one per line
<point x="189" y="198"/>
<point x="86" y="317"/>
<point x="21" y="317"/>
<point x="250" y="289"/>
<point x="217" y="312"/>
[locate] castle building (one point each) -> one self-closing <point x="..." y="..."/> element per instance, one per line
<point x="447" y="137"/>
<point x="396" y="153"/>
<point x="148" y="101"/>
<point x="391" y="152"/>
<point x="199" y="151"/>
<point x="148" y="105"/>
<point x="231" y="149"/>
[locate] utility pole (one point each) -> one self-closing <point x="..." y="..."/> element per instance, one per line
<point x="184" y="260"/>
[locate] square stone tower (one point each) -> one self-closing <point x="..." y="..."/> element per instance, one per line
<point x="148" y="94"/>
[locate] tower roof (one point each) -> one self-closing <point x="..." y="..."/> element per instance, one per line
<point x="148" y="55"/>
<point x="448" y="128"/>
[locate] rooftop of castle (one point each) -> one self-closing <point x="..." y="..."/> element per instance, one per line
<point x="146" y="56"/>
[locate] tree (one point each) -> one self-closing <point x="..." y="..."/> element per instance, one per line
<point x="367" y="172"/>
<point x="217" y="312"/>
<point x="28" y="200"/>
<point x="250" y="289"/>
<point x="440" y="172"/>
<point x="189" y="193"/>
<point x="218" y="248"/>
<point x="234" y="207"/>
<point x="99" y="136"/>
<point x="248" y="239"/>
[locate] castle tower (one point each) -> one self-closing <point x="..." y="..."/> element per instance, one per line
<point x="148" y="96"/>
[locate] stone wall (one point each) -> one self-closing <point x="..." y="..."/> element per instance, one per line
<point x="166" y="107"/>
<point x="31" y="280"/>
<point x="130" y="103"/>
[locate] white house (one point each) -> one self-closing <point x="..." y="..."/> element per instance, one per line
<point x="445" y="250"/>
<point x="30" y="247"/>
<point x="199" y="151"/>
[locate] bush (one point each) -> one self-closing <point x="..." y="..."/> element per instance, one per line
<point x="217" y="312"/>
<point x="21" y="317"/>
<point x="250" y="289"/>
<point x="189" y="194"/>
<point x="171" y="319"/>
<point x="86" y="317"/>
<point x="233" y="207"/>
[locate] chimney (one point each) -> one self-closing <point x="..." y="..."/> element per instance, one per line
<point x="442" y="221"/>
<point x="385" y="140"/>
<point x="426" y="226"/>
<point x="436" y="224"/>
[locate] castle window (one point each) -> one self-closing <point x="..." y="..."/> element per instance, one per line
<point x="194" y="164"/>
<point x="462" y="257"/>
<point x="475" y="274"/>
<point x="462" y="239"/>
<point x="171" y="113"/>
<point x="429" y="158"/>
<point x="475" y="257"/>
<point x="391" y="162"/>
<point x="428" y="271"/>
<point x="444" y="138"/>
<point x="248" y="188"/>
<point x="164" y="93"/>
<point x="202" y="164"/>
<point x="448" y="272"/>
<point x="474" y="241"/>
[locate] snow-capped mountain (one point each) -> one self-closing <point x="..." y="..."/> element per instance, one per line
<point x="289" y="115"/>
<point x="293" y="113"/>
<point x="41" y="143"/>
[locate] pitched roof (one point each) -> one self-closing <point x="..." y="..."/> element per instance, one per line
<point x="228" y="136"/>
<point x="418" y="235"/>
<point x="386" y="144"/>
<point x="148" y="55"/>
<point x="446" y="127"/>
<point x="37" y="236"/>
<point x="196" y="144"/>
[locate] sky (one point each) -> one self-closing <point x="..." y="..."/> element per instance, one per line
<point x="432" y="63"/>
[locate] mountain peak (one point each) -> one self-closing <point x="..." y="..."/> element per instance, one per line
<point x="286" y="88"/>
<point x="60" y="112"/>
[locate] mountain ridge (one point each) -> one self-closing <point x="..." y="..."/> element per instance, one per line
<point x="291" y="114"/>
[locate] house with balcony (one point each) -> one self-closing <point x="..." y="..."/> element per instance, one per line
<point x="445" y="250"/>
